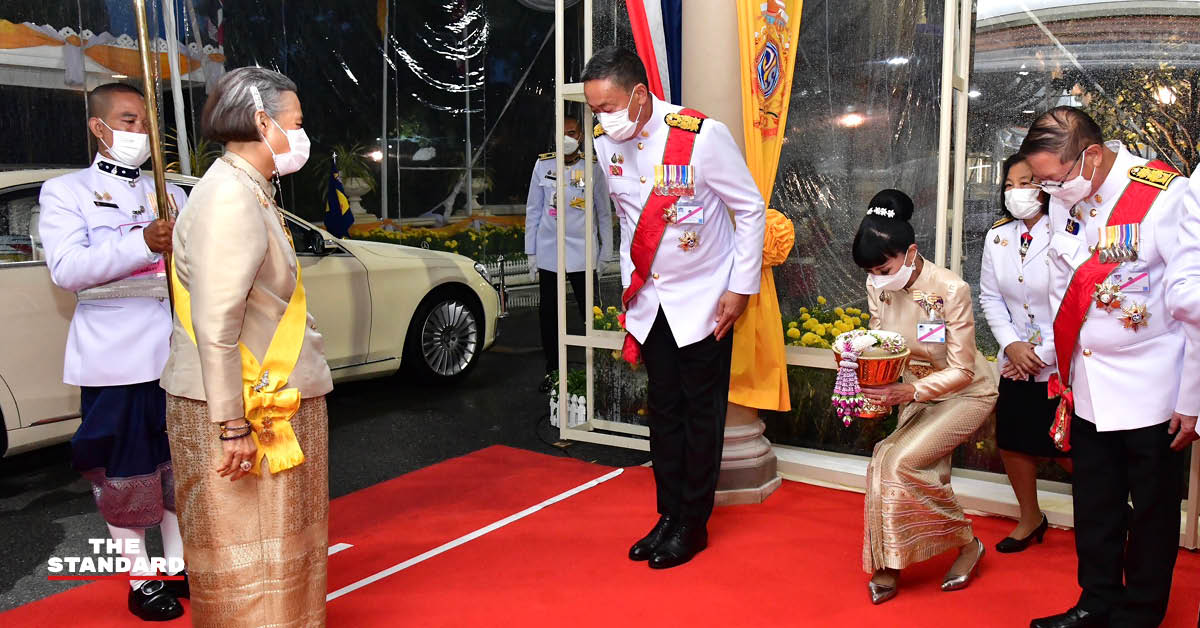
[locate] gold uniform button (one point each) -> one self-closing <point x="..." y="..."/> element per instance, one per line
<point x="643" y="179"/>
<point x="1087" y="353"/>
<point x="1093" y="212"/>
<point x="641" y="146"/>
<point x="655" y="275"/>
<point x="645" y="134"/>
<point x="1099" y="201"/>
<point x="1021" y="278"/>
<point x="1027" y="306"/>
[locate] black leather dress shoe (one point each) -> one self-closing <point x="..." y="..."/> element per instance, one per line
<point x="1010" y="545"/>
<point x="684" y="543"/>
<point x="153" y="602"/>
<point x="180" y="588"/>
<point x="1074" y="618"/>
<point x="644" y="548"/>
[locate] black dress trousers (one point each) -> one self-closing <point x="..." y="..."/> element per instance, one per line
<point x="548" y="315"/>
<point x="1126" y="556"/>
<point x="688" y="392"/>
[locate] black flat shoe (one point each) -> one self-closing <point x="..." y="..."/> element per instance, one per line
<point x="1011" y="546"/>
<point x="180" y="588"/>
<point x="644" y="548"/>
<point x="680" y="547"/>
<point x="153" y="602"/>
<point x="1074" y="618"/>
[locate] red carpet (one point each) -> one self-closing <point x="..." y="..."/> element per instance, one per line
<point x="791" y="561"/>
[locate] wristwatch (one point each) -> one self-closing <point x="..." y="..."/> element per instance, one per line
<point x="916" y="395"/>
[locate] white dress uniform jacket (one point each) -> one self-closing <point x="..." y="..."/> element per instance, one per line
<point x="1124" y="379"/>
<point x="688" y="284"/>
<point x="1012" y="289"/>
<point x="541" y="215"/>
<point x="91" y="241"/>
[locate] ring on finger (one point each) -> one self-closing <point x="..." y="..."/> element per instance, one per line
<point x="245" y="466"/>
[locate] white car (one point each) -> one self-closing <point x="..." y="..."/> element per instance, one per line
<point x="378" y="306"/>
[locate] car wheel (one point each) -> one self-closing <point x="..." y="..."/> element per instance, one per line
<point x="445" y="338"/>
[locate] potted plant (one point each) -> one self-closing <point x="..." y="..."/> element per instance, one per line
<point x="356" y="169"/>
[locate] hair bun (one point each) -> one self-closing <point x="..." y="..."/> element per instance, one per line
<point x="893" y="203"/>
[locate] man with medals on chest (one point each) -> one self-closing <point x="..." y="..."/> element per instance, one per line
<point x="103" y="243"/>
<point x="1122" y="357"/>
<point x="542" y="211"/>
<point x="692" y="223"/>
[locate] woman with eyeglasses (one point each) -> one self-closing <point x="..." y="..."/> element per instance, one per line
<point x="1014" y="294"/>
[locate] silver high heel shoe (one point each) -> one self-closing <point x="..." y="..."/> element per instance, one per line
<point x="881" y="593"/>
<point x="954" y="583"/>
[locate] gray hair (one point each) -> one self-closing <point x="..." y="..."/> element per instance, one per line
<point x="229" y="112"/>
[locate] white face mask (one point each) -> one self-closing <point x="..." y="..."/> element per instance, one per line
<point x="570" y="145"/>
<point x="297" y="155"/>
<point x="1022" y="203"/>
<point x="131" y="149"/>
<point x="897" y="280"/>
<point x="1071" y="192"/>
<point x="298" y="144"/>
<point x="617" y="123"/>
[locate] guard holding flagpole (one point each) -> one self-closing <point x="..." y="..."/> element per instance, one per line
<point x="675" y="177"/>
<point x="103" y="243"/>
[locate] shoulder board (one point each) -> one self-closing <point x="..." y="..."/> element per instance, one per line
<point x="1152" y="177"/>
<point x="545" y="156"/>
<point x="1003" y="221"/>
<point x="684" y="122"/>
<point x="597" y="131"/>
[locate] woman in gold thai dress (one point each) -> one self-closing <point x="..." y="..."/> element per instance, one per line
<point x="246" y="377"/>
<point x="945" y="395"/>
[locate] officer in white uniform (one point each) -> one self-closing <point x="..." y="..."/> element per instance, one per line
<point x="542" y="212"/>
<point x="1014" y="294"/>
<point x="697" y="286"/>
<point x="103" y="243"/>
<point x="1132" y="416"/>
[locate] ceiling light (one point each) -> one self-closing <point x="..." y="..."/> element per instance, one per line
<point x="973" y="93"/>
<point x="852" y="120"/>
<point x="897" y="61"/>
<point x="376" y="155"/>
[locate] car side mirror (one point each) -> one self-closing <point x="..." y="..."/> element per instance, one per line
<point x="316" y="243"/>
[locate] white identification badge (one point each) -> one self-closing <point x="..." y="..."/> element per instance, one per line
<point x="1034" y="333"/>
<point x="689" y="213"/>
<point x="931" y="331"/>
<point x="1132" y="281"/>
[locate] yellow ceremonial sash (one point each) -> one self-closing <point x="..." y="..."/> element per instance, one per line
<point x="269" y="406"/>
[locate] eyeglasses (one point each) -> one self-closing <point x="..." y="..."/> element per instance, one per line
<point x="1055" y="185"/>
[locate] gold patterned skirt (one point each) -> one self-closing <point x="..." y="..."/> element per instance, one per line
<point x="911" y="513"/>
<point x="255" y="548"/>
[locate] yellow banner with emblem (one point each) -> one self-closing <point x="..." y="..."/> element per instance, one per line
<point x="269" y="404"/>
<point x="768" y="33"/>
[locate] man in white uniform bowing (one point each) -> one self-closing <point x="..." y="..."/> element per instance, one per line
<point x="1126" y="372"/>
<point x="103" y="243"/>
<point x="675" y="178"/>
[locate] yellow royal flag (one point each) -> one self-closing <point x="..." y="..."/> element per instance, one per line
<point x="767" y="32"/>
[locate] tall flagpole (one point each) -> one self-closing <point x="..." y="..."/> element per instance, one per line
<point x="162" y="208"/>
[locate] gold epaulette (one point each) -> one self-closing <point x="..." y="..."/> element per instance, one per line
<point x="1152" y="177"/>
<point x="545" y="156"/>
<point x="1003" y="221"/>
<point x="597" y="131"/>
<point x="685" y="122"/>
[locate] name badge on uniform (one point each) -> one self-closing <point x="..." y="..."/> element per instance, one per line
<point x="931" y="331"/>
<point x="689" y="213"/>
<point x="1034" y="333"/>
<point x="1132" y="281"/>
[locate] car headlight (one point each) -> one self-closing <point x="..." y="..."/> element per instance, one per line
<point x="483" y="272"/>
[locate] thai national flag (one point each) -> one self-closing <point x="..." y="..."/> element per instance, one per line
<point x="657" y="27"/>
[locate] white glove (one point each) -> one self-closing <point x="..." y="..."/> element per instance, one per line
<point x="533" y="269"/>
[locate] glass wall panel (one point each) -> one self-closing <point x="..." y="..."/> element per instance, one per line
<point x="863" y="117"/>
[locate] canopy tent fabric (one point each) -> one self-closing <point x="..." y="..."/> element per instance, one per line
<point x="113" y="52"/>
